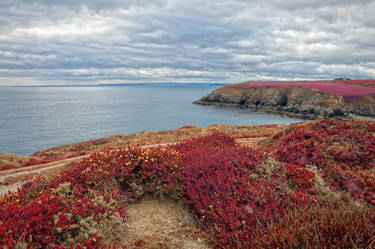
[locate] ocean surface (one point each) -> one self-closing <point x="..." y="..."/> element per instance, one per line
<point x="37" y="118"/>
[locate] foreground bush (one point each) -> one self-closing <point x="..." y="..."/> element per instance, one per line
<point x="349" y="145"/>
<point x="327" y="224"/>
<point x="66" y="217"/>
<point x="343" y="151"/>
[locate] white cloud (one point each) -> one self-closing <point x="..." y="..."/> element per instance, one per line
<point x="80" y="26"/>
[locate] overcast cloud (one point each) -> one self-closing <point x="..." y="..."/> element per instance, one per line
<point x="115" y="41"/>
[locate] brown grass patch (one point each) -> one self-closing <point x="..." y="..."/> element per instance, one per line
<point x="161" y="224"/>
<point x="9" y="158"/>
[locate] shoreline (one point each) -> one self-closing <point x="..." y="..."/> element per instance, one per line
<point x="272" y="110"/>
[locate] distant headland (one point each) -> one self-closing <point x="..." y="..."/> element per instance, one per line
<point x="339" y="98"/>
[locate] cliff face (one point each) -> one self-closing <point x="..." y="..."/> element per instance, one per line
<point x="300" y="101"/>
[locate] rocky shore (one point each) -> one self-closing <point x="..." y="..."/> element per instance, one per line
<point x="296" y="101"/>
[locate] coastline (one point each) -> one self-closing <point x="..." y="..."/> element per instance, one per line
<point x="272" y="110"/>
<point x="305" y="100"/>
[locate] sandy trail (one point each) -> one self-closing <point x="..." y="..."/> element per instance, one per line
<point x="15" y="178"/>
<point x="162" y="221"/>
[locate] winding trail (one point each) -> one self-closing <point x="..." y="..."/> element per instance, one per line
<point x="15" y="178"/>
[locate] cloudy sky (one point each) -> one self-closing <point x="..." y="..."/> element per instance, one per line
<point x="118" y="41"/>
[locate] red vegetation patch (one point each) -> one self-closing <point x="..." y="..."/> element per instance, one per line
<point x="341" y="150"/>
<point x="349" y="145"/>
<point x="51" y="218"/>
<point x="369" y="82"/>
<point x="188" y="127"/>
<point x="328" y="224"/>
<point x="240" y="199"/>
<point x="8" y="166"/>
<point x="340" y="87"/>
<point x="301" y="177"/>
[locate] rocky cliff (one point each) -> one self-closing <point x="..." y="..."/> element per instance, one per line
<point x="292" y="100"/>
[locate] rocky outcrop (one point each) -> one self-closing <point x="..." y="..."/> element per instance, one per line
<point x="293" y="100"/>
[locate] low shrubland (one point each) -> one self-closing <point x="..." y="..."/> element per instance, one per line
<point x="344" y="152"/>
<point x="310" y="186"/>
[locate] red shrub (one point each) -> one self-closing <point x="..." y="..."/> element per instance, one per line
<point x="350" y="145"/>
<point x="47" y="221"/>
<point x="301" y="177"/>
<point x="328" y="224"/>
<point x="340" y="149"/>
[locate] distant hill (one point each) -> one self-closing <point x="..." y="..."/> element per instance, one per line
<point x="165" y="84"/>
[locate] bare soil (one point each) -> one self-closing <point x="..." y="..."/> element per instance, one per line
<point x="11" y="180"/>
<point x="154" y="223"/>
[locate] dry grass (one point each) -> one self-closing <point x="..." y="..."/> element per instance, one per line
<point x="145" y="138"/>
<point x="9" y="158"/>
<point x="161" y="224"/>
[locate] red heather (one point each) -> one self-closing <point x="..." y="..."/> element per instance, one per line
<point x="333" y="87"/>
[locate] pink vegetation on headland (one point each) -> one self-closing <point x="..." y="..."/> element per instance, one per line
<point x="370" y="82"/>
<point x="340" y="87"/>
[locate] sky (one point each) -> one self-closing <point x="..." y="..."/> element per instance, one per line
<point x="53" y="42"/>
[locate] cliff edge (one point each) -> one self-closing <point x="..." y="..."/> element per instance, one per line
<point x="299" y="101"/>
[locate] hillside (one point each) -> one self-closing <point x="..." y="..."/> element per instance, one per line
<point x="311" y="185"/>
<point x="11" y="161"/>
<point x="308" y="99"/>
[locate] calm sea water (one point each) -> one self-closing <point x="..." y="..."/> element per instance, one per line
<point x="37" y="118"/>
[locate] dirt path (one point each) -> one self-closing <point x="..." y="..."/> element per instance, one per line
<point x="154" y="221"/>
<point x="12" y="179"/>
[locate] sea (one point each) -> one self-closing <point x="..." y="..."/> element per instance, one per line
<point x="37" y="118"/>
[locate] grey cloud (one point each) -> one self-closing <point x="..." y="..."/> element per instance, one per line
<point x="170" y="40"/>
